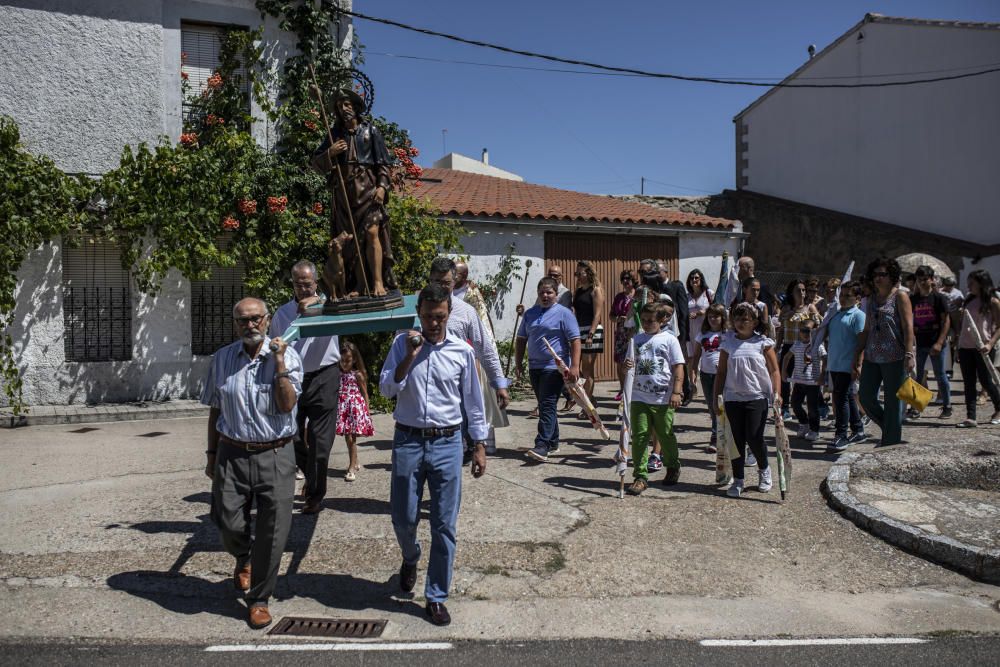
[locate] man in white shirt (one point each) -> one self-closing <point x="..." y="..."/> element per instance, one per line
<point x="432" y="376"/>
<point x="317" y="413"/>
<point x="465" y="323"/>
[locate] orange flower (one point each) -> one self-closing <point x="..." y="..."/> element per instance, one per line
<point x="184" y="75"/>
<point x="318" y="208"/>
<point x="247" y="206"/>
<point x="229" y="223"/>
<point x="214" y="81"/>
<point x="277" y="204"/>
<point x="311" y="125"/>
<point x="189" y="139"/>
<point x="212" y="119"/>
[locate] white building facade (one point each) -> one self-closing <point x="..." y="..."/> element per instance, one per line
<point x="922" y="157"/>
<point x="83" y="80"/>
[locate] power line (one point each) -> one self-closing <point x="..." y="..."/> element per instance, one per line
<point x="657" y="75"/>
<point x="589" y="73"/>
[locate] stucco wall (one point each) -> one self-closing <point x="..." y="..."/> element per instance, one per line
<point x="705" y="253"/>
<point x="924" y="157"/>
<point x="486" y="245"/>
<point x="82" y="79"/>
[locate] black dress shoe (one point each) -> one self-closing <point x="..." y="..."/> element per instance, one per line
<point x="407" y="577"/>
<point x="438" y="613"/>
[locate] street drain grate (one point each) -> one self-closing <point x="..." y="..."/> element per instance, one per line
<point x="85" y="429"/>
<point x="153" y="434"/>
<point x="328" y="627"/>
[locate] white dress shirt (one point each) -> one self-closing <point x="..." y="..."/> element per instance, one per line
<point x="441" y="378"/>
<point x="465" y="323"/>
<point x="317" y="352"/>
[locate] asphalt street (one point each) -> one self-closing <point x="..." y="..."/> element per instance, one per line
<point x="982" y="651"/>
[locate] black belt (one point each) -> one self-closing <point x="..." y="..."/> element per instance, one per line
<point x="445" y="431"/>
<point x="255" y="446"/>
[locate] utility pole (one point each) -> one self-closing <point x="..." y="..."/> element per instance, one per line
<point x="444" y="143"/>
<point x="642" y="185"/>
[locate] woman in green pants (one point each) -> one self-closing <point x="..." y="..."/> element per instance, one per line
<point x="886" y="345"/>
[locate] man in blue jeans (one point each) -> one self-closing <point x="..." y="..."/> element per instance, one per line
<point x="931" y="324"/>
<point x="432" y="376"/>
<point x="555" y="323"/>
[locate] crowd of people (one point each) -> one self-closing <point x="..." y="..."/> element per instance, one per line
<point x="816" y="351"/>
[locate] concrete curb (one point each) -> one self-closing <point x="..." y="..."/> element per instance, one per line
<point x="976" y="562"/>
<point x="44" y="415"/>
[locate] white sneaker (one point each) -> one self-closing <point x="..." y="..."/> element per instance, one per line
<point x="751" y="460"/>
<point x="764" y="481"/>
<point x="803" y="429"/>
<point x="736" y="489"/>
<point x="812" y="436"/>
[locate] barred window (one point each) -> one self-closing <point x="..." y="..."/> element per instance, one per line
<point x="201" y="44"/>
<point x="212" y="304"/>
<point x="97" y="303"/>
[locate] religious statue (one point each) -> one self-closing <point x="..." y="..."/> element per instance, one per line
<point x="357" y="165"/>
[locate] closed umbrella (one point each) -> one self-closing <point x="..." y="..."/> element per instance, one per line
<point x="784" y="458"/>
<point x="625" y="436"/>
<point x="579" y="395"/>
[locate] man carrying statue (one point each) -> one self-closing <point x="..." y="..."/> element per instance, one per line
<point x="357" y="166"/>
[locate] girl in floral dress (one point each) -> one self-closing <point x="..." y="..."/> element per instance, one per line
<point x="353" y="418"/>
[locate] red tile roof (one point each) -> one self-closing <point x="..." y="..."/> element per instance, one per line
<point x="461" y="194"/>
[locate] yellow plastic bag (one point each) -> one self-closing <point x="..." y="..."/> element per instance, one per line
<point x="914" y="394"/>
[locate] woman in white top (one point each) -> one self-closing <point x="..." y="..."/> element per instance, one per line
<point x="749" y="381"/>
<point x="974" y="351"/>
<point x="699" y="299"/>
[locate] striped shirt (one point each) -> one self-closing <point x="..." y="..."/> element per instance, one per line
<point x="464" y="322"/>
<point x="242" y="389"/>
<point x="807" y="373"/>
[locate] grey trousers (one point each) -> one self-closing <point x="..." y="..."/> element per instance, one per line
<point x="242" y="478"/>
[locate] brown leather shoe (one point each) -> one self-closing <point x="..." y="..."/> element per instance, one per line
<point x="241" y="578"/>
<point x="438" y="613"/>
<point x="312" y="506"/>
<point x="260" y="617"/>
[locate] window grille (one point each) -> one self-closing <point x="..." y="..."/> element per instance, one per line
<point x="212" y="304"/>
<point x="97" y="303"/>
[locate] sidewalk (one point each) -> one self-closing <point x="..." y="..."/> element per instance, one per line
<point x="42" y="415"/>
<point x="105" y="534"/>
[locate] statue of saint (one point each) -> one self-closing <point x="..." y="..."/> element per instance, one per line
<point x="357" y="165"/>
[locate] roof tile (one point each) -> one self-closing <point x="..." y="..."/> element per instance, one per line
<point x="462" y="194"/>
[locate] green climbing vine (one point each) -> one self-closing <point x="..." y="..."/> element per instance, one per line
<point x="169" y="205"/>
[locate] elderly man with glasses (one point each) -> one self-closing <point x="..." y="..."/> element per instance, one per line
<point x="252" y="387"/>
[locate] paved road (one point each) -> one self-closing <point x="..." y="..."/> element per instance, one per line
<point x="982" y="651"/>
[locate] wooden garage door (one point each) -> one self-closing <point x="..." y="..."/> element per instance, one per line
<point x="610" y="255"/>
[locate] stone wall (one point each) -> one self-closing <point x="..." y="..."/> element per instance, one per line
<point x="789" y="236"/>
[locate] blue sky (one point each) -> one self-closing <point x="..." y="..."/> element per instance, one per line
<point x="597" y="133"/>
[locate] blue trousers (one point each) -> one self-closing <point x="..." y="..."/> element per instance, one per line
<point x="937" y="363"/>
<point x="548" y="385"/>
<point x="436" y="462"/>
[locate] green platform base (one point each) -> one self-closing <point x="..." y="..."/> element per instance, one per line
<point x="347" y="324"/>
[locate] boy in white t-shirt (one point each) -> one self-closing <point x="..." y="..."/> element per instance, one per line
<point x="807" y="378"/>
<point x="656" y="393"/>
